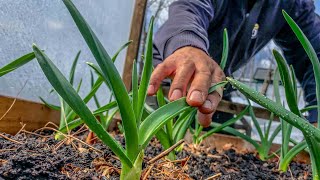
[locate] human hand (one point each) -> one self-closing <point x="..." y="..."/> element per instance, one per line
<point x="193" y="73"/>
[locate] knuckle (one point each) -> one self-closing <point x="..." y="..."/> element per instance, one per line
<point x="204" y="72"/>
<point x="161" y="66"/>
<point x="221" y="74"/>
<point x="186" y="64"/>
<point x="178" y="84"/>
<point x="155" y="80"/>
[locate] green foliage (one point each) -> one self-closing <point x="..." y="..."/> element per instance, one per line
<point x="137" y="135"/>
<point x="16" y="63"/>
<point x="311" y="54"/>
<point x="294" y="116"/>
<point x="310" y="132"/>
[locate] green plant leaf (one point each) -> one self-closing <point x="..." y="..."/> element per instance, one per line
<point x="105" y="108"/>
<point x="267" y="131"/>
<point x="110" y="73"/>
<point x="184" y="125"/>
<point x="284" y="164"/>
<point x="180" y="121"/>
<point x="308" y="108"/>
<point x="298" y="122"/>
<point x="225" y="51"/>
<point x="161" y="102"/>
<point x="77" y="122"/>
<point x="225" y="124"/>
<point x="255" y="121"/>
<point x="274" y="135"/>
<point x="98" y="71"/>
<point x="135" y="90"/>
<point x="92" y="82"/>
<point x="114" y="57"/>
<point x="160" y="97"/>
<point x="93" y="90"/>
<point x="79" y="86"/>
<point x="158" y="118"/>
<point x="73" y="68"/>
<point x="237" y="133"/>
<point x="288" y="84"/>
<point x="146" y="71"/>
<point x="314" y="146"/>
<point x="294" y="82"/>
<point x="16" y="63"/>
<point x="216" y="86"/>
<point x="109" y="118"/>
<point x="51" y="106"/>
<point x="71" y="125"/>
<point x="69" y="95"/>
<point x="311" y="54"/>
<point x="71" y="114"/>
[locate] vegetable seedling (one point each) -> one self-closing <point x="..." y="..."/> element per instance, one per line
<point x="137" y="133"/>
<point x="311" y="133"/>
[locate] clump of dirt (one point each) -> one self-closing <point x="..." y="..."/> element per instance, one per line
<point x="40" y="156"/>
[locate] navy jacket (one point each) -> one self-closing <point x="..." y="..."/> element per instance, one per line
<point x="200" y="23"/>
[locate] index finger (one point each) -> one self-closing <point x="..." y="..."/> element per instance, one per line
<point x="162" y="71"/>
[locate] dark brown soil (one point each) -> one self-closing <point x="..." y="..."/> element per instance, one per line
<point x="42" y="157"/>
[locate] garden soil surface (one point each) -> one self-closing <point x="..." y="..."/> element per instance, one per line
<point x="40" y="156"/>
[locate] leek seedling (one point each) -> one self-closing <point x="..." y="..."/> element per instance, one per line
<point x="294" y="118"/>
<point x="313" y="143"/>
<point x="68" y="115"/>
<point x="17" y="63"/>
<point x="311" y="134"/>
<point x="289" y="81"/>
<point x="137" y="133"/>
<point x="263" y="147"/>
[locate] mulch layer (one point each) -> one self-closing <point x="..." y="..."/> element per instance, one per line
<point x="39" y="156"/>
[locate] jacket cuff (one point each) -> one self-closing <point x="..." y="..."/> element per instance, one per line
<point x="185" y="38"/>
<point x="313" y="116"/>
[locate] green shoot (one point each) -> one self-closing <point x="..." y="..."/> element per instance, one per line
<point x="16" y="63"/>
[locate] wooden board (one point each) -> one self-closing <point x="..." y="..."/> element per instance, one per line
<point x="34" y="115"/>
<point x="236" y="108"/>
<point x="135" y="34"/>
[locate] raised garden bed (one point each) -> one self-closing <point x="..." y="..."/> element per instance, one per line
<point x="38" y="156"/>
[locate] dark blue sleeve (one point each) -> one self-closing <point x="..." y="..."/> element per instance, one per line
<point x="187" y="26"/>
<point x="303" y="12"/>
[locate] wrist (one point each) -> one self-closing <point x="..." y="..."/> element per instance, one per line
<point x="183" y="40"/>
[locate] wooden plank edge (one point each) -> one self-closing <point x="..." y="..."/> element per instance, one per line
<point x="35" y="115"/>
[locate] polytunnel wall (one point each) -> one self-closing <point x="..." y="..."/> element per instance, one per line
<point x="48" y="24"/>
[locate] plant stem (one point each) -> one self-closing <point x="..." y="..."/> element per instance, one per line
<point x="133" y="173"/>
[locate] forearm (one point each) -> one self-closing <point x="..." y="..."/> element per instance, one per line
<point x="187" y="26"/>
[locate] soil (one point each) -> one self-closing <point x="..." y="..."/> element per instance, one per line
<point x="39" y="156"/>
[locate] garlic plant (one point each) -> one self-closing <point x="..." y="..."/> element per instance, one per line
<point x="311" y="133"/>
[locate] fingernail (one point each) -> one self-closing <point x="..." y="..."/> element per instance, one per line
<point x="207" y="104"/>
<point x="176" y="94"/>
<point x="151" y="89"/>
<point x="196" y="96"/>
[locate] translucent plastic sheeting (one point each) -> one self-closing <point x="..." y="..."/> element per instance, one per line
<point x="48" y="24"/>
